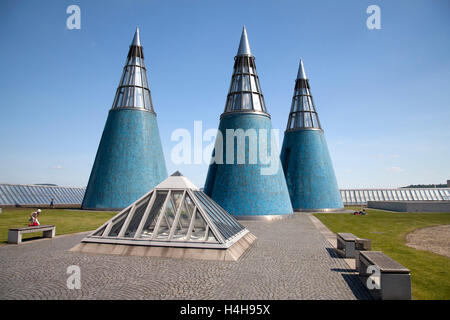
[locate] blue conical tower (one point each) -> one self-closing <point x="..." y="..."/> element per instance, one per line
<point x="242" y="178"/>
<point x="306" y="162"/>
<point x="130" y="159"/>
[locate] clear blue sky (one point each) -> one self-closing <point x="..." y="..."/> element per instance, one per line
<point x="383" y="96"/>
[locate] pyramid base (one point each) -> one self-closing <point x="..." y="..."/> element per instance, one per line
<point x="232" y="253"/>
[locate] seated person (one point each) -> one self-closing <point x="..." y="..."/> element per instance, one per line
<point x="34" y="218"/>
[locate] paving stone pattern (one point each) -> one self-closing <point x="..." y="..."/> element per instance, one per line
<point x="290" y="260"/>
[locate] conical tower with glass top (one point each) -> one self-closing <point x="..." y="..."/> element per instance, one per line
<point x="306" y="161"/>
<point x="245" y="175"/>
<point x="130" y="159"/>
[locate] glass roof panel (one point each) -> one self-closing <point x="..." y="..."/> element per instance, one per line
<point x="183" y="223"/>
<point x="117" y="224"/>
<point x="31" y="194"/>
<point x="3" y="198"/>
<point x="199" y="228"/>
<point x="100" y="232"/>
<point x="434" y="194"/>
<point x="358" y="198"/>
<point x="7" y="195"/>
<point x="225" y="223"/>
<point x="149" y="225"/>
<point x="211" y="237"/>
<point x="137" y="217"/>
<point x="36" y="194"/>
<point x="167" y="220"/>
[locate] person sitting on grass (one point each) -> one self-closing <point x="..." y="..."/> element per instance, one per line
<point x="34" y="218"/>
<point x="363" y="212"/>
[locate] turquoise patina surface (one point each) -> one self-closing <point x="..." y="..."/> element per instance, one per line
<point x="242" y="189"/>
<point x="309" y="171"/>
<point x="129" y="161"/>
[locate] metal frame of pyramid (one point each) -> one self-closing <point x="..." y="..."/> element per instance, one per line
<point x="176" y="214"/>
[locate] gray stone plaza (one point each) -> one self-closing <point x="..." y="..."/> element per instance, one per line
<point x="290" y="260"/>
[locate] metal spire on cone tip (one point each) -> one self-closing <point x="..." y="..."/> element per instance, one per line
<point x="136" y="39"/>
<point x="244" y="47"/>
<point x="301" y="71"/>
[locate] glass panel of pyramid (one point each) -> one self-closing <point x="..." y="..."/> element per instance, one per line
<point x="156" y="208"/>
<point x="117" y="224"/>
<point x="137" y="217"/>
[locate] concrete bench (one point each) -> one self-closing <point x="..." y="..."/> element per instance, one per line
<point x="361" y="245"/>
<point x="15" y="234"/>
<point x="346" y="244"/>
<point x="394" y="281"/>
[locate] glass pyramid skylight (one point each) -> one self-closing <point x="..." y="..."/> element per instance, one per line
<point x="303" y="112"/>
<point x="245" y="93"/>
<point x="175" y="213"/>
<point x="133" y="90"/>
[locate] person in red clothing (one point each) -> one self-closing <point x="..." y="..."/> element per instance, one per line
<point x="34" y="218"/>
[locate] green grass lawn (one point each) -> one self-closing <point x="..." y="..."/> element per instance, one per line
<point x="65" y="220"/>
<point x="430" y="273"/>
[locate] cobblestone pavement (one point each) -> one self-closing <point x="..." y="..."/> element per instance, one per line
<point x="290" y="260"/>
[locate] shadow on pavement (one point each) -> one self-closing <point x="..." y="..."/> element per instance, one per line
<point x="357" y="287"/>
